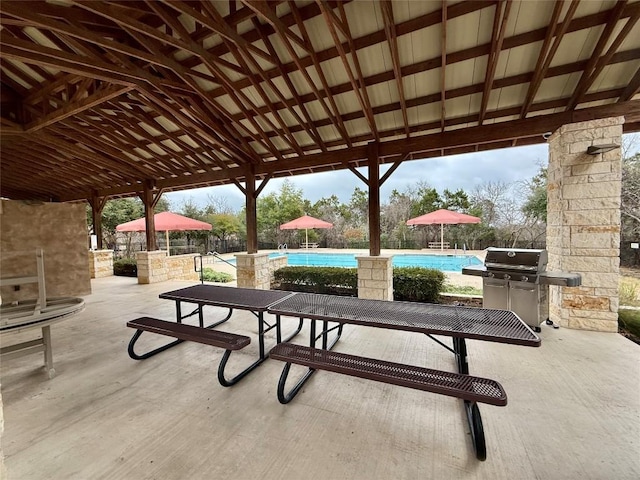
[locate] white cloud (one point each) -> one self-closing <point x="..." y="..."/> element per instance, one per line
<point x="454" y="172"/>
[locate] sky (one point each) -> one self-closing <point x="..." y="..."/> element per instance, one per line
<point x="508" y="165"/>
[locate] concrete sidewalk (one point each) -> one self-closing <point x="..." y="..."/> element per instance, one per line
<point x="573" y="411"/>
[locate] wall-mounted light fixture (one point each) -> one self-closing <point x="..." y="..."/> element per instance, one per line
<point x="598" y="149"/>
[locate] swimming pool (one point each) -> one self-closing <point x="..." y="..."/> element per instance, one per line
<point x="446" y="263"/>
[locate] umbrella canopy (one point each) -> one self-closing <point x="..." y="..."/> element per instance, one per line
<point x="165" y="221"/>
<point x="443" y="216"/>
<point x="305" y="222"/>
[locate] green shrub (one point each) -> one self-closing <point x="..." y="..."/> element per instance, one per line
<point x="629" y="320"/>
<point x="413" y="284"/>
<point x="210" y="275"/>
<point x="125" y="267"/>
<point x="417" y="284"/>
<point x="328" y="280"/>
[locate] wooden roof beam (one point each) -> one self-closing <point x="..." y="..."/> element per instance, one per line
<point x="334" y="111"/>
<point x="307" y="123"/>
<point x="76" y="107"/>
<point x="392" y="39"/>
<point x="500" y="20"/>
<point x="237" y="96"/>
<point x="598" y="62"/>
<point x="243" y="56"/>
<point x="357" y="79"/>
<point x="443" y="64"/>
<point x="548" y="50"/>
<point x="632" y="88"/>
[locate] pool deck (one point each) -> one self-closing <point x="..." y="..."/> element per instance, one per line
<point x="573" y="411"/>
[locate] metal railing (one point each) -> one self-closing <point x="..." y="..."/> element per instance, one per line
<point x="200" y="260"/>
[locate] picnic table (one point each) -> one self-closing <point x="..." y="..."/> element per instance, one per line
<point x="333" y="313"/>
<point x="459" y="323"/>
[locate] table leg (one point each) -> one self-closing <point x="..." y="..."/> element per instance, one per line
<point x="48" y="351"/>
<point x="460" y="349"/>
<point x="477" y="430"/>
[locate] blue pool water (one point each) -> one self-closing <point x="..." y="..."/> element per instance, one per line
<point x="446" y="263"/>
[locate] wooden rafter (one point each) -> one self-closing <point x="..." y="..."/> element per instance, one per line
<point x="357" y="79"/>
<point x="598" y="61"/>
<point x="443" y="65"/>
<point x="392" y="39"/>
<point x="632" y="88"/>
<point x="500" y="20"/>
<point x="190" y="93"/>
<point x="307" y="123"/>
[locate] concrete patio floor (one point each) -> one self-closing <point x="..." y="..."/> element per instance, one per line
<point x="573" y="411"/>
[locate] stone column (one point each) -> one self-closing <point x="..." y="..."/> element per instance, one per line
<point x="100" y="263"/>
<point x="375" y="277"/>
<point x="253" y="270"/>
<point x="583" y="223"/>
<point x="152" y="266"/>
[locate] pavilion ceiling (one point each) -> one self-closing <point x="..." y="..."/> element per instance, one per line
<point x="99" y="98"/>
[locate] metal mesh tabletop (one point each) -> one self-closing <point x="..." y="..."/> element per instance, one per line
<point x="478" y="323"/>
<point x="230" y="297"/>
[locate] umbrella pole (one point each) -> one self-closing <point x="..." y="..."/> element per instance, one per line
<point x="167" y="236"/>
<point x="441" y="236"/>
<point x="306" y="237"/>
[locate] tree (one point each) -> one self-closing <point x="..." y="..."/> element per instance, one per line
<point x="224" y="226"/>
<point x="426" y="200"/>
<point x="630" y="208"/>
<point x="278" y="208"/>
<point x="358" y="215"/>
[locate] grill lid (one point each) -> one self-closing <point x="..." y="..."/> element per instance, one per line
<point x="518" y="259"/>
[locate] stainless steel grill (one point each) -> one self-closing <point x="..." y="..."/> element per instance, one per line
<point x="517" y="279"/>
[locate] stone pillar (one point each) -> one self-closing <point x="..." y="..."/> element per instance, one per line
<point x="253" y="270"/>
<point x="100" y="263"/>
<point x="375" y="277"/>
<point x="152" y="267"/>
<point x="583" y="223"/>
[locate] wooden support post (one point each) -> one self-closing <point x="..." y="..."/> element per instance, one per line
<point x="252" y="213"/>
<point x="97" y="205"/>
<point x="374" y="199"/>
<point x="150" y="225"/>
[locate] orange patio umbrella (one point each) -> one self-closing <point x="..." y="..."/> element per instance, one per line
<point x="165" y="221"/>
<point x="305" y="222"/>
<point x="443" y="216"/>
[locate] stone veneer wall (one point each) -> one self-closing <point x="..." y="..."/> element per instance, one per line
<point x="100" y="263"/>
<point x="60" y="230"/>
<point x="375" y="277"/>
<point x="154" y="267"/>
<point x="253" y="270"/>
<point x="583" y="223"/>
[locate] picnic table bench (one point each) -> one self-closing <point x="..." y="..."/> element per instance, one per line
<point x="254" y="301"/>
<point x="191" y="333"/>
<point x="308" y="245"/>
<point x="440" y="245"/>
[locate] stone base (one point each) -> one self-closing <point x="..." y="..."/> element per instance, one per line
<point x="155" y="267"/>
<point x="100" y="263"/>
<point x="375" y="277"/>
<point x="253" y="270"/>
